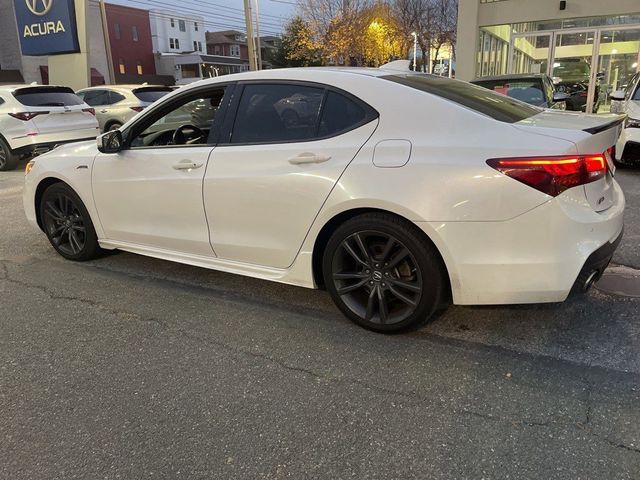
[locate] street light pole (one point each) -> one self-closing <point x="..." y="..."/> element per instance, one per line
<point x="415" y="49"/>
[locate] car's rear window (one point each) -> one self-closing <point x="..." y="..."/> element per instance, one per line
<point x="482" y="100"/>
<point x="47" y="97"/>
<point x="526" y="90"/>
<point x="151" y="94"/>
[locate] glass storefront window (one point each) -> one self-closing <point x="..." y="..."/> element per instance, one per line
<point x="618" y="62"/>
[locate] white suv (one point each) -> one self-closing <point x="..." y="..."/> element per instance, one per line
<point x="628" y="101"/>
<point x="36" y="118"/>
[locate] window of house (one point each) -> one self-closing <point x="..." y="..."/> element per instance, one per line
<point x="173" y="23"/>
<point x="195" y="26"/>
<point x="234" y="50"/>
<point x="116" y="30"/>
<point x="139" y="67"/>
<point x="121" y="66"/>
<point x="199" y="46"/>
<point x="177" y="42"/>
<point x="216" y="50"/>
<point x="277" y="113"/>
<point x="182" y="26"/>
<point x="171" y="43"/>
<point x="195" y="45"/>
<point x="134" y="33"/>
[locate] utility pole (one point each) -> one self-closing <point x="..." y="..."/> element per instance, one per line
<point x="107" y="42"/>
<point x="248" y="18"/>
<point x="258" y="49"/>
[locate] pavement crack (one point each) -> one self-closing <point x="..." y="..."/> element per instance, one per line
<point x="72" y="298"/>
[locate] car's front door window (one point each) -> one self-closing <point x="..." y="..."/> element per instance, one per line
<point x="187" y="123"/>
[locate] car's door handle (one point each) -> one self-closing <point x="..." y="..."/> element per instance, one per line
<point x="186" y="165"/>
<point x="308" y="157"/>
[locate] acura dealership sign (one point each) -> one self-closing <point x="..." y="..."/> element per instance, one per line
<point x="47" y="27"/>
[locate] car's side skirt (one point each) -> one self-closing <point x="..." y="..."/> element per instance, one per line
<point x="298" y="274"/>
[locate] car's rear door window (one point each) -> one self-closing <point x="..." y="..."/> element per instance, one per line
<point x="47" y="97"/>
<point x="115" y="97"/>
<point x="150" y="94"/>
<point x="480" y="99"/>
<point x="273" y="113"/>
<point x="340" y="114"/>
<point x="95" y="98"/>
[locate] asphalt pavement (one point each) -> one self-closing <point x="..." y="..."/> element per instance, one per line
<point x="131" y="367"/>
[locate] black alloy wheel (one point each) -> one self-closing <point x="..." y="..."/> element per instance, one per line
<point x="381" y="274"/>
<point x="66" y="223"/>
<point x="8" y="160"/>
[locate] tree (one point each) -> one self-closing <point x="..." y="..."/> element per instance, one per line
<point x="297" y="48"/>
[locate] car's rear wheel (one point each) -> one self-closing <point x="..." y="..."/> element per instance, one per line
<point x="382" y="273"/>
<point x="67" y="224"/>
<point x="8" y="160"/>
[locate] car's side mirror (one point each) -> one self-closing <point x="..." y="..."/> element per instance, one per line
<point x="560" y="97"/>
<point x="617" y="95"/>
<point x="110" y="142"/>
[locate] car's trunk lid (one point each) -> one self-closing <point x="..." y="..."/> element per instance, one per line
<point x="591" y="134"/>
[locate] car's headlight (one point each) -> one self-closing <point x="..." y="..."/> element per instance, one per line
<point x="29" y="167"/>
<point x="632" y="123"/>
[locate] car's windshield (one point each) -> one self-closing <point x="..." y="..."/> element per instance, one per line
<point x="479" y="99"/>
<point x="151" y="94"/>
<point x="525" y="90"/>
<point x="47" y="97"/>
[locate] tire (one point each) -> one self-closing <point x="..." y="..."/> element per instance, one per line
<point x="8" y="159"/>
<point x="67" y="224"/>
<point x="383" y="274"/>
<point x="113" y="126"/>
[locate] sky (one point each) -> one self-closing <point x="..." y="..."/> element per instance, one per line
<point x="224" y="14"/>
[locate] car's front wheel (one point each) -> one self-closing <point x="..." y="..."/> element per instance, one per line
<point x="67" y="224"/>
<point x="8" y="160"/>
<point x="382" y="273"/>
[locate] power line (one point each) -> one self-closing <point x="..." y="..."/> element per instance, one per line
<point x="210" y="23"/>
<point x="233" y="18"/>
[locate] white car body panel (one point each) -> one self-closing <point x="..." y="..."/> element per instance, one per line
<point x="60" y="125"/>
<point x="265" y="227"/>
<point x="501" y="241"/>
<point x="142" y="199"/>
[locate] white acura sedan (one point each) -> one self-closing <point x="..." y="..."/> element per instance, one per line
<point x="397" y="192"/>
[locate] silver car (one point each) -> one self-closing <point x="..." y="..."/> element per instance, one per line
<point x="116" y="104"/>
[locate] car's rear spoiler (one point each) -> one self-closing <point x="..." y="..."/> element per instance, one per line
<point x="605" y="126"/>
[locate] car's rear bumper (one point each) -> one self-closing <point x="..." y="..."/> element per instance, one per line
<point x="30" y="143"/>
<point x="533" y="258"/>
<point x="628" y="146"/>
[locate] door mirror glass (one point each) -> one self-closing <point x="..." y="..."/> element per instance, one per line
<point x="110" y="142"/>
<point x="617" y="95"/>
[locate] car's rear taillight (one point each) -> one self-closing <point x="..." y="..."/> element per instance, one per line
<point x="92" y="111"/>
<point x="137" y="109"/>
<point x="553" y="175"/>
<point x="24" y="116"/>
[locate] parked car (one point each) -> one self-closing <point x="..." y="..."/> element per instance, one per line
<point x="36" y="118"/>
<point x="628" y="101"/>
<point x="407" y="192"/>
<point x="116" y="104"/>
<point x="577" y="93"/>
<point x="534" y="89"/>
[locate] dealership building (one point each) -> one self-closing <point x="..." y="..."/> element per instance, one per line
<point x="593" y="43"/>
